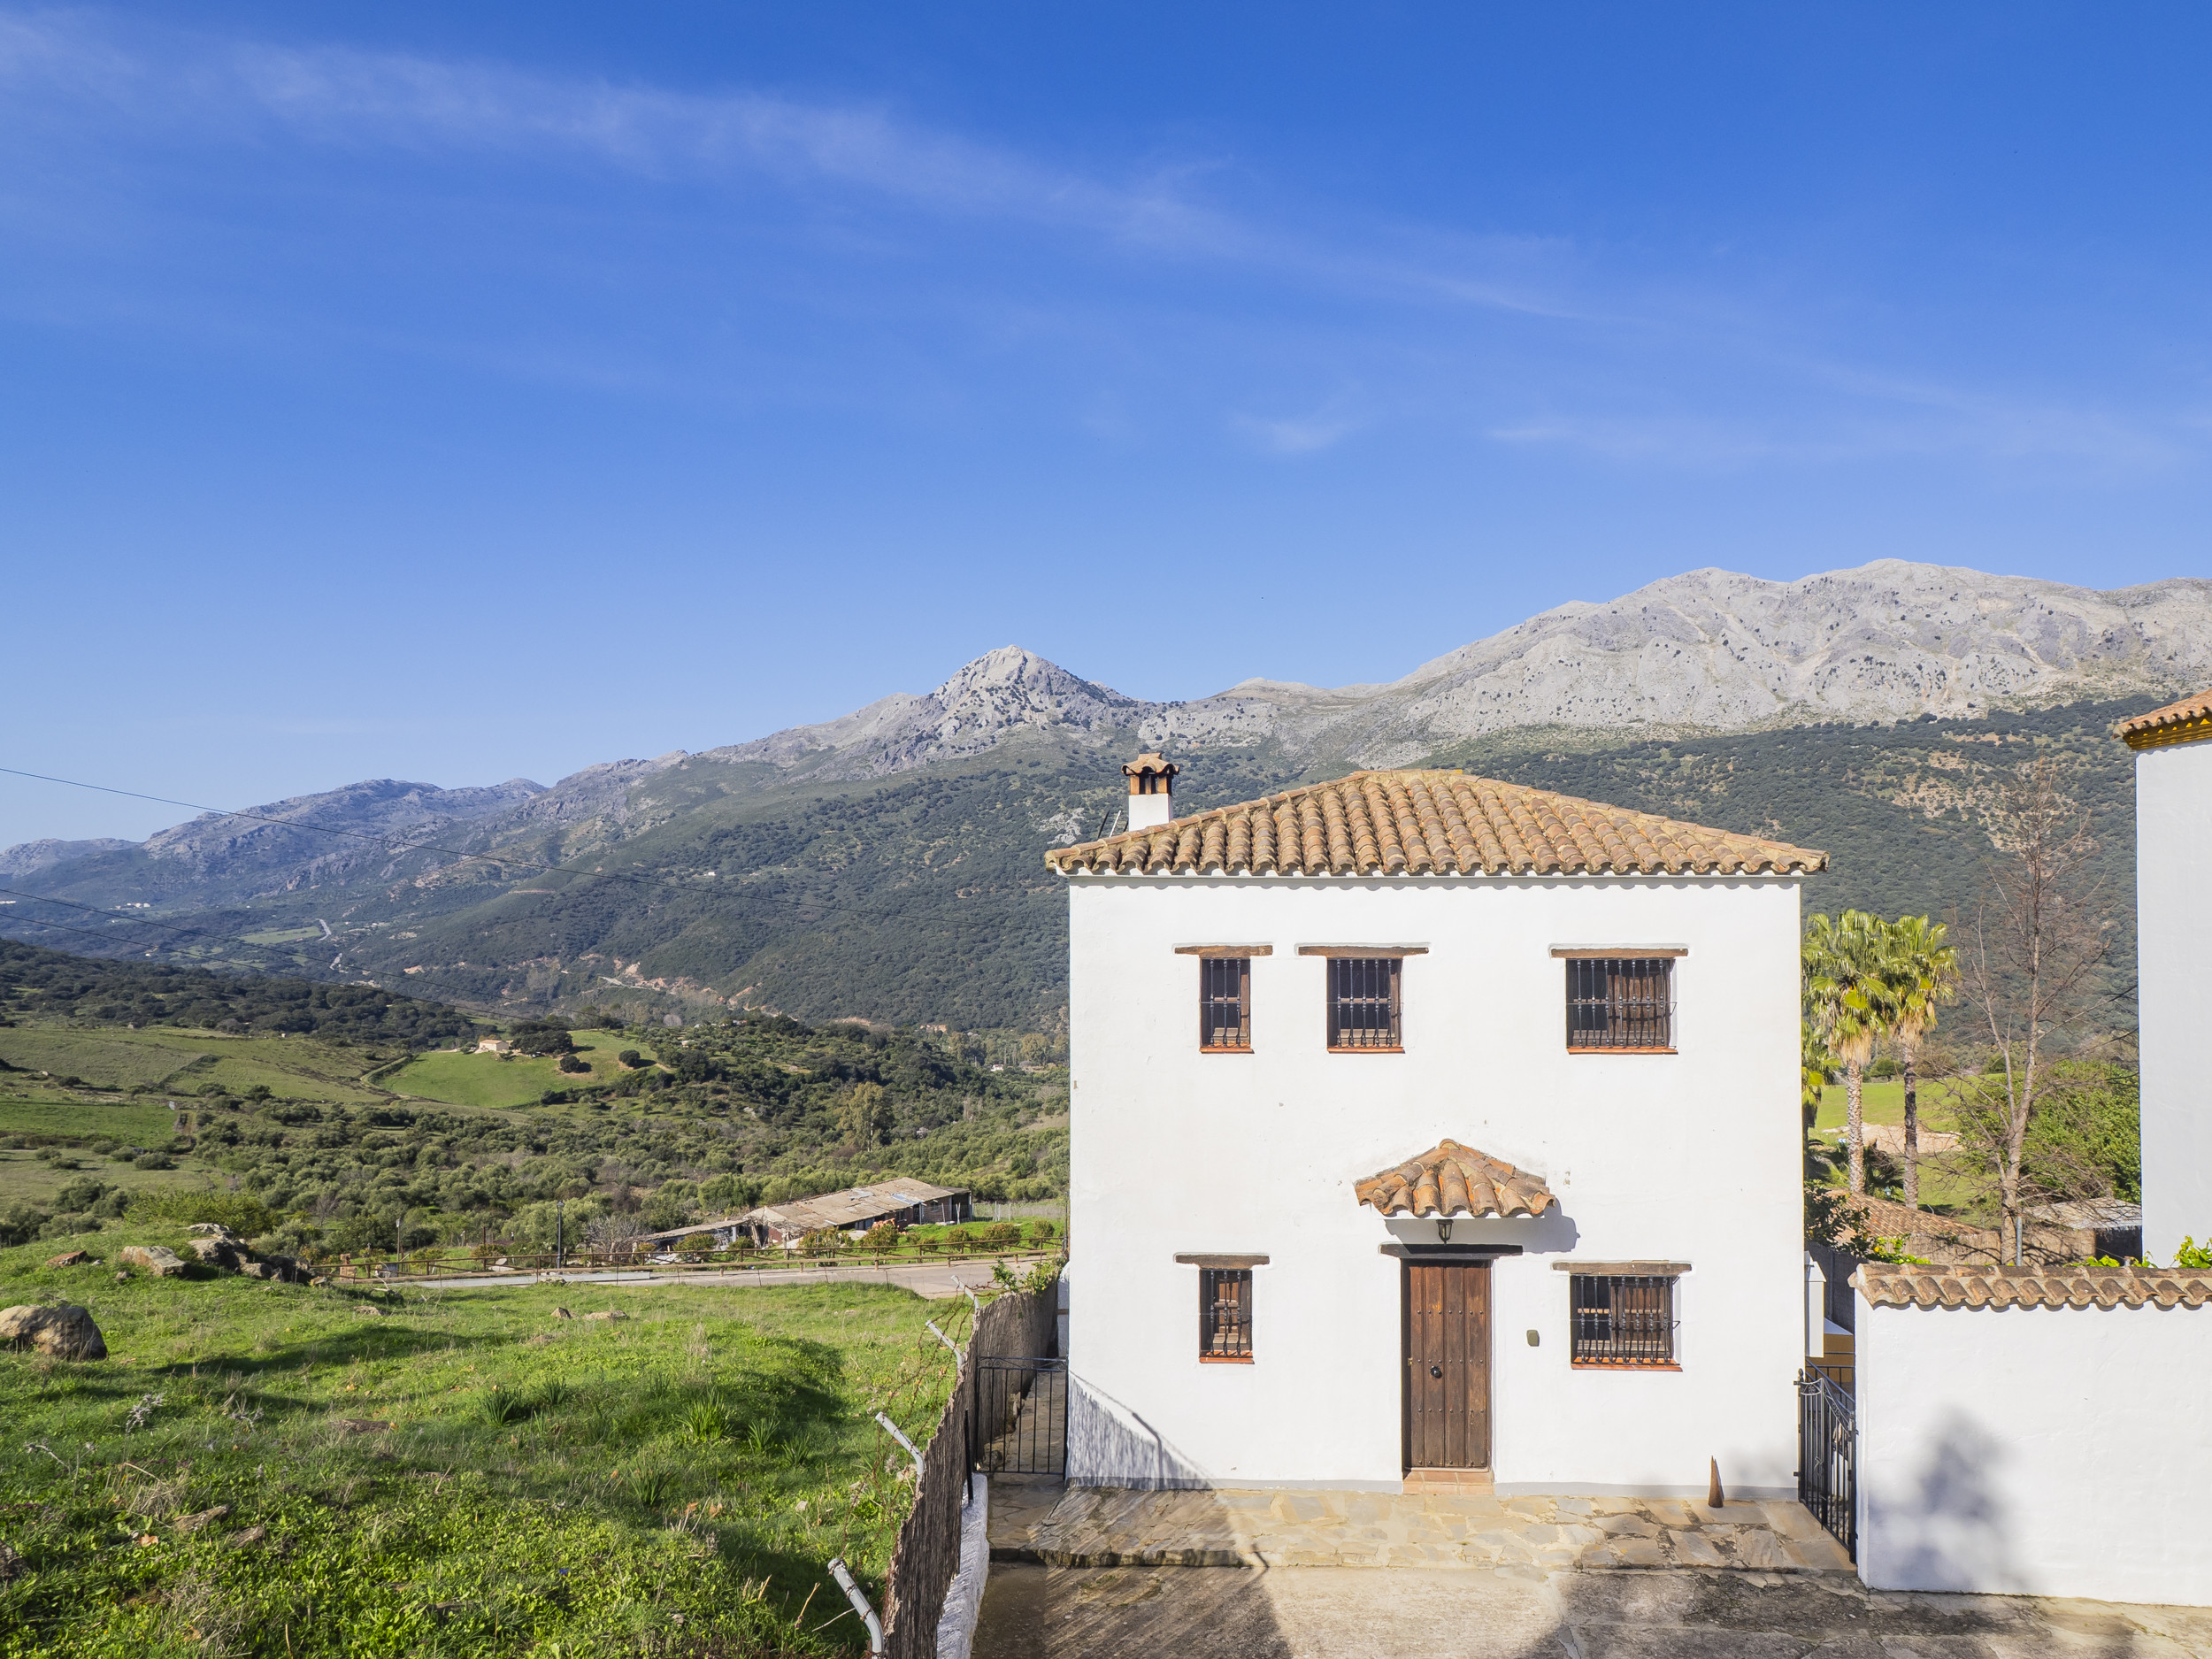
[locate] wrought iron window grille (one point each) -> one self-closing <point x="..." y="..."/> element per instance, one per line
<point x="1366" y="1009"/>
<point x="1621" y="1320"/>
<point x="1225" y="1004"/>
<point x="1225" y="1314"/>
<point x="1625" y="1003"/>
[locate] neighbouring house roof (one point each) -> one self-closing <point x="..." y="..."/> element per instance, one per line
<point x="1887" y="1287"/>
<point x="669" y="1235"/>
<point x="1449" y="1179"/>
<point x="1429" y="822"/>
<point x="2182" y="722"/>
<point x="851" y="1207"/>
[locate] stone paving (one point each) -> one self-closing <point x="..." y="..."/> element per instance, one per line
<point x="1091" y="1527"/>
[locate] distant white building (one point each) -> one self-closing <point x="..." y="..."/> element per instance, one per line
<point x="2173" y="926"/>
<point x="493" y="1045"/>
<point x="1430" y="1130"/>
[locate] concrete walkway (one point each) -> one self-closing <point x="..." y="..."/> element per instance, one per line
<point x="1038" y="1521"/>
<point x="1036" y="1612"/>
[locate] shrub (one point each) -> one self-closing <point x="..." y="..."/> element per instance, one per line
<point x="241" y="1212"/>
<point x="1002" y="1233"/>
<point x="881" y="1237"/>
<point x="1044" y="1231"/>
<point x="151" y="1161"/>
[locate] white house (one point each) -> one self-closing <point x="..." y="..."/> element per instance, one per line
<point x="1426" y="1126"/>
<point x="2173" y="923"/>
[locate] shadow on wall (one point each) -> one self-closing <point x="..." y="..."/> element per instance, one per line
<point x="1950" y="1531"/>
<point x="1110" y="1445"/>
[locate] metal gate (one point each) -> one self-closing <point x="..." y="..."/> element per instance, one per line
<point x="1828" y="1456"/>
<point x="1019" y="1424"/>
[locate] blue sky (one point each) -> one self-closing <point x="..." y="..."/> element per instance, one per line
<point x="461" y="391"/>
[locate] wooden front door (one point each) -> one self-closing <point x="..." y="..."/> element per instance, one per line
<point x="1447" y="1365"/>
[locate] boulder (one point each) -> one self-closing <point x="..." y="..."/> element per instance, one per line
<point x="563" y="1313"/>
<point x="152" y="1258"/>
<point x="69" y="1258"/>
<point x="608" y="1313"/>
<point x="65" y="1333"/>
<point x="205" y="1517"/>
<point x="214" y="1230"/>
<point x="214" y="1252"/>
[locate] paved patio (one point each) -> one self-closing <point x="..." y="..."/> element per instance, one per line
<point x="1040" y="1522"/>
<point x="1036" y="1612"/>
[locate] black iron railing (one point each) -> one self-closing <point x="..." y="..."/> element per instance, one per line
<point x="1019" y="1424"/>
<point x="1828" y="1456"/>
<point x="1620" y="1003"/>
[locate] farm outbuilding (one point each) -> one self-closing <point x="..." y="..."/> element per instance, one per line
<point x="858" y="1208"/>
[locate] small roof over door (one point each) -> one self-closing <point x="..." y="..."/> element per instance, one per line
<point x="1450" y="1179"/>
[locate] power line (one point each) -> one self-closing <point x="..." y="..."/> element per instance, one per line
<point x="136" y="921"/>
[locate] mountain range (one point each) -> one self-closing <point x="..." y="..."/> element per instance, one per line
<point x="887" y="863"/>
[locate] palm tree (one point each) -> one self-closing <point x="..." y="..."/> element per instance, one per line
<point x="1848" y="999"/>
<point x="1923" y="972"/>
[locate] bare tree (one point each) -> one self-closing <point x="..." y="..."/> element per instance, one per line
<point x="2035" y="942"/>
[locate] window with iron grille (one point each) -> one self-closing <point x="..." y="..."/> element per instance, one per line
<point x="1364" y="1003"/>
<point x="1224" y="1313"/>
<point x="1225" y="1004"/>
<point x="1624" y="1003"/>
<point x="1622" y="1321"/>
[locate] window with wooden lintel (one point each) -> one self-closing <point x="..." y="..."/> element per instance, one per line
<point x="1225" y="1004"/>
<point x="1224" y="1314"/>
<point x="1366" y="1012"/>
<point x="1620" y="1319"/>
<point x="1620" y="1004"/>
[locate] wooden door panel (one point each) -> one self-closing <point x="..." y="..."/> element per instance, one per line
<point x="1447" y="1365"/>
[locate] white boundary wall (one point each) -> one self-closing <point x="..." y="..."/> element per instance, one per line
<point x="2036" y="1451"/>
<point x="2173" y="828"/>
<point x="1686" y="1158"/>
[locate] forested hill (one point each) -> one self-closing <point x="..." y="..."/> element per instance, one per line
<point x="37" y="982"/>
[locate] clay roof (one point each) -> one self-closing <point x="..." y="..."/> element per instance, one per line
<point x="1887" y="1287"/>
<point x="1449" y="1179"/>
<point x="1429" y="822"/>
<point x="2182" y="722"/>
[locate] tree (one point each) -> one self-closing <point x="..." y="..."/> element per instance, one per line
<point x="1847" y="1002"/>
<point x="881" y="1237"/>
<point x="1923" y="974"/>
<point x="2037" y="941"/>
<point x="865" y="1115"/>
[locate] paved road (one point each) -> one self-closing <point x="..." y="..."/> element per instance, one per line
<point x="937" y="1280"/>
<point x="1033" y="1612"/>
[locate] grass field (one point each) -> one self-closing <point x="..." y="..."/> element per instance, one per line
<point x="485" y="1080"/>
<point x="1884" y="1103"/>
<point x="117" y="1057"/>
<point x="134" y="1122"/>
<point x="674" y="1481"/>
<point x="24" y="1178"/>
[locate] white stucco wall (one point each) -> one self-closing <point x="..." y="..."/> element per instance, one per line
<point x="1690" y="1157"/>
<point x="2036" y="1451"/>
<point x="2173" y="828"/>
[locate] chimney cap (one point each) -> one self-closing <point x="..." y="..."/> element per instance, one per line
<point x="1153" y="762"/>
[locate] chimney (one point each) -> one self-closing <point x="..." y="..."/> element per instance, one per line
<point x="1151" y="791"/>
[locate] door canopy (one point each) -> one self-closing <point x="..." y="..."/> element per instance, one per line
<point x="1449" y="1180"/>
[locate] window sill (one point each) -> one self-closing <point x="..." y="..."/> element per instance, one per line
<point x="1225" y="1359"/>
<point x="1575" y="1050"/>
<point x="1622" y="1365"/>
<point x="1220" y="1049"/>
<point x="1398" y="1051"/>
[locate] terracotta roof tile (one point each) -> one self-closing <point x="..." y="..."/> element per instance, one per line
<point x="1430" y="823"/>
<point x="1449" y="1179"/>
<point x="2182" y="722"/>
<point x="1887" y="1287"/>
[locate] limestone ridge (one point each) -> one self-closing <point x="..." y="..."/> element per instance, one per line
<point x="1710" y="650"/>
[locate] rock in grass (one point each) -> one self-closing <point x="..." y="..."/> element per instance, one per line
<point x="65" y="1333"/>
<point x="251" y="1535"/>
<point x="363" y="1426"/>
<point x="157" y="1259"/>
<point x="214" y="1252"/>
<point x="608" y="1313"/>
<point x="69" y="1258"/>
<point x="563" y="1313"/>
<point x="193" y="1523"/>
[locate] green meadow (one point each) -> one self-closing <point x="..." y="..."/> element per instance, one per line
<point x="492" y="1082"/>
<point x="186" y="1062"/>
<point x="268" y="1468"/>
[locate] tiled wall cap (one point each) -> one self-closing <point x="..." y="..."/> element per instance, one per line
<point x="1430" y="823"/>
<point x="2188" y="720"/>
<point x="1887" y="1287"/>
